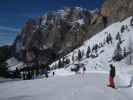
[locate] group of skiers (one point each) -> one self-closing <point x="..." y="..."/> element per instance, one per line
<point x="78" y="68"/>
<point x="112" y="74"/>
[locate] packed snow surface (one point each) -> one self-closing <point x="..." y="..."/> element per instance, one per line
<point x="91" y="86"/>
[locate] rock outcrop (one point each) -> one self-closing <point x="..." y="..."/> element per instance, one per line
<point x="53" y="35"/>
<point x="47" y="38"/>
<point x="117" y="10"/>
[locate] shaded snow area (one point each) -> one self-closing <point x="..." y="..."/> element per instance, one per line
<point x="91" y="86"/>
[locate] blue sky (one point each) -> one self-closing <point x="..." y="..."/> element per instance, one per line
<point x="14" y="13"/>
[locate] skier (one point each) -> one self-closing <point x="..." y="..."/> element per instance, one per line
<point x="111" y="76"/>
<point x="84" y="69"/>
<point x="46" y="72"/>
<point x="131" y="82"/>
<point x="53" y="73"/>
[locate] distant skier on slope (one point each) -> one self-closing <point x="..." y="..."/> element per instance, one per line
<point x="131" y="82"/>
<point x="84" y="69"/>
<point x="53" y="73"/>
<point x="111" y="76"/>
<point x="82" y="66"/>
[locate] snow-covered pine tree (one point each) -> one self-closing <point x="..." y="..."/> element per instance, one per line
<point x="122" y="28"/>
<point x="73" y="59"/>
<point x="63" y="61"/>
<point x="125" y="52"/>
<point x="118" y="53"/>
<point x="82" y="53"/>
<point x="118" y="36"/>
<point x="60" y="64"/>
<point x="88" y="52"/>
<point x="131" y="22"/>
<point x="79" y="55"/>
<point x="67" y="61"/>
<point x="107" y="39"/>
<point x="130" y="49"/>
<point x="110" y="38"/>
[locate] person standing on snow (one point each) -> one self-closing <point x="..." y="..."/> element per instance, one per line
<point x="53" y="73"/>
<point x="131" y="82"/>
<point x="84" y="69"/>
<point x="112" y="74"/>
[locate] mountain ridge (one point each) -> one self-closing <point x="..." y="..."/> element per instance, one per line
<point x="57" y="33"/>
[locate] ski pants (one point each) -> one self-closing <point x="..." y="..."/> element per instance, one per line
<point x="111" y="82"/>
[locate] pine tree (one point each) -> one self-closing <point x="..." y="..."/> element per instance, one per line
<point x="118" y="36"/>
<point x="17" y="73"/>
<point x="73" y="57"/>
<point x="118" y="53"/>
<point x="60" y="63"/>
<point x="124" y="52"/>
<point x="105" y="21"/>
<point x="79" y="55"/>
<point x="130" y="50"/>
<point x="88" y="52"/>
<point x="4" y="70"/>
<point x="110" y="38"/>
<point x="63" y="61"/>
<point x="82" y="53"/>
<point x="131" y="22"/>
<point x="107" y="39"/>
<point x="120" y="40"/>
<point x="67" y="61"/>
<point x="122" y="28"/>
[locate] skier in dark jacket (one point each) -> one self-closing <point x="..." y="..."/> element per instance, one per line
<point x="84" y="69"/>
<point x="111" y="76"/>
<point x="53" y="73"/>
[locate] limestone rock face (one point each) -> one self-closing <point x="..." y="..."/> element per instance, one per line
<point x="45" y="39"/>
<point x="117" y="10"/>
<point x="55" y="34"/>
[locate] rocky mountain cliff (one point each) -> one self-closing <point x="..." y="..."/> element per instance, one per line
<point x="117" y="10"/>
<point x="49" y="37"/>
<point x="55" y="34"/>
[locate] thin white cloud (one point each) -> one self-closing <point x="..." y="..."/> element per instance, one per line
<point x="9" y="29"/>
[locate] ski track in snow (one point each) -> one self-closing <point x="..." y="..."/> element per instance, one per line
<point x="91" y="86"/>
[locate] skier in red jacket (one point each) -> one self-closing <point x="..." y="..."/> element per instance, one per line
<point x="111" y="76"/>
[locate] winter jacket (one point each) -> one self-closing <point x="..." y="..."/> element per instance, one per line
<point x="112" y="72"/>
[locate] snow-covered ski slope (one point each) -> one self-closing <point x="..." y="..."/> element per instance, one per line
<point x="107" y="51"/>
<point x="90" y="86"/>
